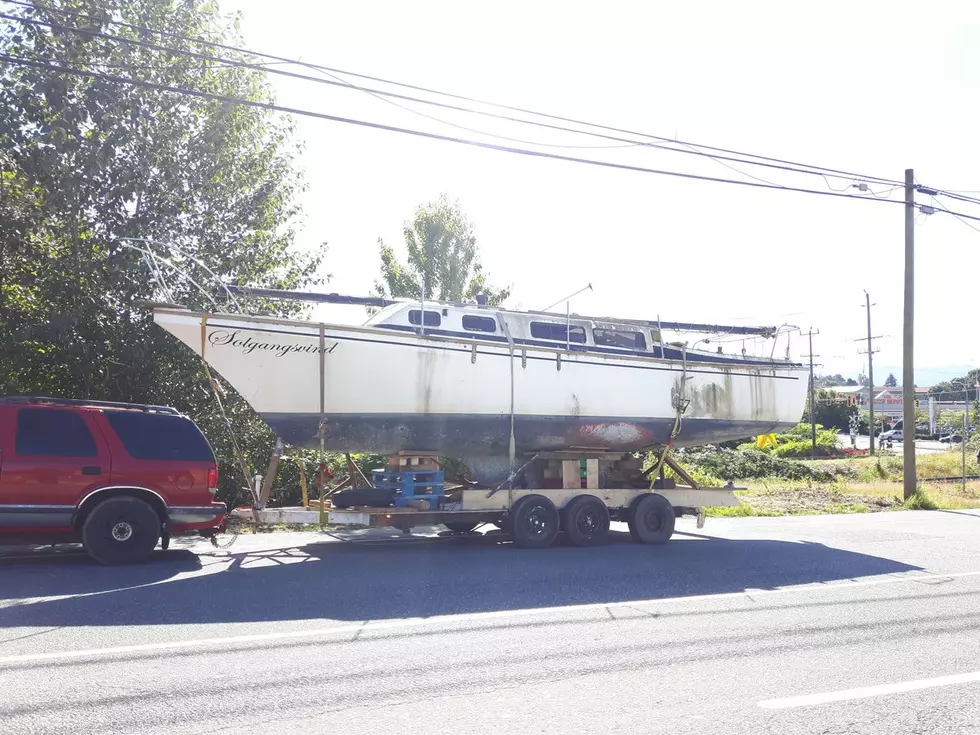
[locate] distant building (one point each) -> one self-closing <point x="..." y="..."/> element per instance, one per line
<point x="887" y="400"/>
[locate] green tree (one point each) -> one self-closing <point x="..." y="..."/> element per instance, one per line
<point x="442" y="253"/>
<point x="891" y="381"/>
<point x="830" y="411"/>
<point x="87" y="162"/>
<point x="952" y="419"/>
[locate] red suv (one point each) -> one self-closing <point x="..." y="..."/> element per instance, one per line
<point x="118" y="477"/>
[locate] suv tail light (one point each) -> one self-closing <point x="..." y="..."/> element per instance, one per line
<point x="213" y="478"/>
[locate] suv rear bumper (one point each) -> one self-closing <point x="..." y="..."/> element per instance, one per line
<point x="198" y="516"/>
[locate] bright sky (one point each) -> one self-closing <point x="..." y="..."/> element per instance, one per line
<point x="873" y="87"/>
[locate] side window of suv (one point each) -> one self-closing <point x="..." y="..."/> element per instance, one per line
<point x="51" y="432"/>
<point x="152" y="436"/>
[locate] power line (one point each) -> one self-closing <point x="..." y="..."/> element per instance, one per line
<point x="381" y="94"/>
<point x="959" y="215"/>
<point x="951" y="195"/>
<point x="784" y="164"/>
<point x="419" y="133"/>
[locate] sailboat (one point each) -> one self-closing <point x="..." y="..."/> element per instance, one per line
<point x="488" y="384"/>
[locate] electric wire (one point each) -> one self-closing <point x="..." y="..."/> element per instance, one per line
<point x="785" y="164"/>
<point x="419" y="133"/>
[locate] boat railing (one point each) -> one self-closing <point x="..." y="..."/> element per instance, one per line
<point x="474" y="342"/>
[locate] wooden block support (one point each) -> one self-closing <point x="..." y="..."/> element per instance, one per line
<point x="592" y="474"/>
<point x="570" y="474"/>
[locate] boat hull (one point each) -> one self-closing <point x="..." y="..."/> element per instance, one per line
<point x="385" y="392"/>
<point x="476" y="435"/>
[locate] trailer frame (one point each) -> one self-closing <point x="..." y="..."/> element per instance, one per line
<point x="534" y="516"/>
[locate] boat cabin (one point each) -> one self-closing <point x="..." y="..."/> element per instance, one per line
<point x="541" y="329"/>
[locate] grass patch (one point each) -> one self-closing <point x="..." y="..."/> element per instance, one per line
<point x="920" y="501"/>
<point x="739" y="511"/>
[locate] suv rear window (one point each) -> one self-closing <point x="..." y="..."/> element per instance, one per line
<point x="52" y="432"/>
<point x="154" y="436"/>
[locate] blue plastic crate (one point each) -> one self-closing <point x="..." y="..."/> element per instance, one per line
<point x="429" y="485"/>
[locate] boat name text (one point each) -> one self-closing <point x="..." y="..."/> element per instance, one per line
<point x="247" y="345"/>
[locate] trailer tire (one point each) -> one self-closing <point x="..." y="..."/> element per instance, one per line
<point x="585" y="520"/>
<point x="121" y="530"/>
<point x="651" y="519"/>
<point x="461" y="526"/>
<point x="534" y="522"/>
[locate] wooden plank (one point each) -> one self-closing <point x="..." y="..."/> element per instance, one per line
<point x="613" y="498"/>
<point x="681" y="472"/>
<point x="571" y="476"/>
<point x="592" y="474"/>
<point x="579" y="454"/>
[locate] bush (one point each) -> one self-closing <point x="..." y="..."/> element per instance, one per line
<point x="798" y="442"/>
<point x="920" y="501"/>
<point x="730" y="464"/>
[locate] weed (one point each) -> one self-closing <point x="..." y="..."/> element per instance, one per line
<point x="920" y="501"/>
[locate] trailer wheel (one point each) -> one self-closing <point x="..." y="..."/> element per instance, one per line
<point x="461" y="526"/>
<point x="534" y="522"/>
<point x="585" y="520"/>
<point x="121" y="530"/>
<point x="651" y="519"/>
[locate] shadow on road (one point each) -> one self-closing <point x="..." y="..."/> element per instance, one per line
<point x="460" y="575"/>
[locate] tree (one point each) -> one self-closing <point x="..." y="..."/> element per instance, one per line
<point x="851" y="383"/>
<point x="953" y="389"/>
<point x="831" y="411"/>
<point x="829" y="381"/>
<point x="87" y="162"/>
<point x="891" y="381"/>
<point x="442" y="254"/>
<point x="863" y="380"/>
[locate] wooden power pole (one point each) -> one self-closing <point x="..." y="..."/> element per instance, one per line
<point x="813" y="407"/>
<point x="871" y="379"/>
<point x="908" y="364"/>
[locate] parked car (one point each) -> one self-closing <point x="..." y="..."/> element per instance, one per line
<point x="117" y="477"/>
<point x="951" y="438"/>
<point x="893" y="435"/>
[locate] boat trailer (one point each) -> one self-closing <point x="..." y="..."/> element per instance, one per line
<point x="559" y="492"/>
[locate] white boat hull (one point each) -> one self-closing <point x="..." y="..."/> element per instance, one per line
<point x="387" y="391"/>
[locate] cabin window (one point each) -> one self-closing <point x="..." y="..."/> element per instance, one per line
<point x="557" y="332"/>
<point x="432" y="318"/>
<point x="624" y="338"/>
<point x="479" y="323"/>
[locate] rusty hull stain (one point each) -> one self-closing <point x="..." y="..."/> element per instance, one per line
<point x="612" y="434"/>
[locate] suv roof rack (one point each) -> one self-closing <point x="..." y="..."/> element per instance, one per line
<point x="148" y="408"/>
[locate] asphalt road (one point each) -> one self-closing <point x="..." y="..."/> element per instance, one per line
<point x="771" y="625"/>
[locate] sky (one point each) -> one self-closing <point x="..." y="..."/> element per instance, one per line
<point x="868" y="87"/>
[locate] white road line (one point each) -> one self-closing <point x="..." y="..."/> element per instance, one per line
<point x="864" y="692"/>
<point x="384" y="625"/>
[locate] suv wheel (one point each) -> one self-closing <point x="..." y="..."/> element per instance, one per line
<point x="121" y="531"/>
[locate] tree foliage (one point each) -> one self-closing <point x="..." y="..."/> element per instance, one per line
<point x="952" y="390"/>
<point x="891" y="381"/>
<point x="86" y="163"/>
<point x="442" y="254"/>
<point x="828" y="412"/>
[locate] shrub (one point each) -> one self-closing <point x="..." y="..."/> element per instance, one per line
<point x="730" y="464"/>
<point x="798" y="442"/>
<point x="920" y="501"/>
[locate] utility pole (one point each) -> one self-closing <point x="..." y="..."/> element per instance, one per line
<point x="813" y="407"/>
<point x="908" y="364"/>
<point x="871" y="377"/>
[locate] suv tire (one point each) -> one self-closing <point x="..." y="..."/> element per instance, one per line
<point x="121" y="530"/>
